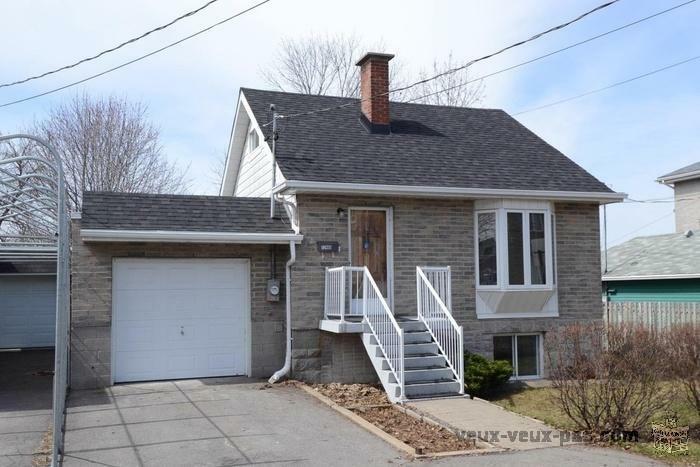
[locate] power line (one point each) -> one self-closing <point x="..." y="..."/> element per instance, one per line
<point x="571" y="46"/>
<point x="117" y="47"/>
<point x="142" y="57"/>
<point x="643" y="227"/>
<point x="605" y="88"/>
<point x="456" y="69"/>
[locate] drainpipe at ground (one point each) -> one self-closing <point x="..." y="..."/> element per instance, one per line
<point x="284" y="371"/>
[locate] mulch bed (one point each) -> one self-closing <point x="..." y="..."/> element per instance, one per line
<point x="370" y="402"/>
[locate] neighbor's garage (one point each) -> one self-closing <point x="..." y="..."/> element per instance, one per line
<point x="179" y="318"/>
<point x="27" y="310"/>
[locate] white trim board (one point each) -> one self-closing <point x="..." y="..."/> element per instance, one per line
<point x="175" y="236"/>
<point x="651" y="277"/>
<point x="294" y="186"/>
<point x="679" y="177"/>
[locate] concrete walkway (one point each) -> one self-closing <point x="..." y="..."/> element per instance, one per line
<point x="26" y="388"/>
<point x="494" y="424"/>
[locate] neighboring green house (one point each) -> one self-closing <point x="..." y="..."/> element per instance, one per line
<point x="658" y="268"/>
<point x="660" y="274"/>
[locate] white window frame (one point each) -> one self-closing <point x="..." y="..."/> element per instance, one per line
<point x="502" y="248"/>
<point x="251" y="131"/>
<point x="514" y="352"/>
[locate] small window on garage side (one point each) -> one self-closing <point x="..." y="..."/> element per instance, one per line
<point x="522" y="351"/>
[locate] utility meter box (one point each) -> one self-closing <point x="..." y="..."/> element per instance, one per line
<point x="273" y="290"/>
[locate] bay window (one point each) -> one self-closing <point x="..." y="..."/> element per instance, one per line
<point x="515" y="247"/>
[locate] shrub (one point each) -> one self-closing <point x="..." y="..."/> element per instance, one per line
<point x="484" y="377"/>
<point x="683" y="343"/>
<point x="608" y="378"/>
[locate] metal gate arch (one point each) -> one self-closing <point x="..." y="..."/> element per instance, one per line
<point x="45" y="204"/>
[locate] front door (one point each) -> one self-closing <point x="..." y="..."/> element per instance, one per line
<point x="370" y="246"/>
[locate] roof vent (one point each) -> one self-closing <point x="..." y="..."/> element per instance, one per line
<point x="688" y="233"/>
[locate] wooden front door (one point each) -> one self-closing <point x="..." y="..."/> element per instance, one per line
<point x="369" y="244"/>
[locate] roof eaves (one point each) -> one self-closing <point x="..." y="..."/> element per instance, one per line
<point x="670" y="179"/>
<point x="300" y="186"/>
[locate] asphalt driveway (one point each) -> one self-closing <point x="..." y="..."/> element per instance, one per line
<point x="236" y="421"/>
<point x="26" y="385"/>
<point x="212" y="422"/>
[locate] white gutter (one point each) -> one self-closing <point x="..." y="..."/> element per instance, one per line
<point x="177" y="236"/>
<point x="288" y="291"/>
<point x="679" y="177"/>
<point x="293" y="186"/>
<point x="651" y="277"/>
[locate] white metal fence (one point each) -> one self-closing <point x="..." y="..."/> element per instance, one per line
<point x="657" y="315"/>
<point x="437" y="317"/>
<point x="34" y="211"/>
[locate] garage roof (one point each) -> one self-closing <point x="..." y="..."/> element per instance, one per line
<point x="140" y="214"/>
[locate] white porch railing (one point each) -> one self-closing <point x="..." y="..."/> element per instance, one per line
<point x="343" y="296"/>
<point x="441" y="280"/>
<point x="437" y="317"/>
<point x="352" y="291"/>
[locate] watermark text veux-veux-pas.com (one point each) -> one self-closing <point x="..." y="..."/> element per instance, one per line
<point x="528" y="436"/>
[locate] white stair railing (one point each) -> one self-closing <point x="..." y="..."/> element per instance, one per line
<point x="352" y="291"/>
<point x="384" y="327"/>
<point x="437" y="317"/>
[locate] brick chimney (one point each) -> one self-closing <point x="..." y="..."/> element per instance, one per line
<point x="374" y="81"/>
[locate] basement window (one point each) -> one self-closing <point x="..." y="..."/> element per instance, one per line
<point x="514" y="248"/>
<point x="522" y="351"/>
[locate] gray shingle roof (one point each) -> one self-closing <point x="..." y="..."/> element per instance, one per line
<point x="428" y="146"/>
<point x="683" y="170"/>
<point x="669" y="254"/>
<point x="137" y="211"/>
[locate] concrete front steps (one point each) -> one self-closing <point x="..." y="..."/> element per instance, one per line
<point x="426" y="373"/>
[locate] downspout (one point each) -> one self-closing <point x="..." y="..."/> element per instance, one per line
<point x="288" y="299"/>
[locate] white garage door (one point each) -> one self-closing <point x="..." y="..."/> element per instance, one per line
<point x="179" y="318"/>
<point x="27" y="311"/>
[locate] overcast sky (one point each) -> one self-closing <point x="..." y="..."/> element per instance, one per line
<point x="626" y="136"/>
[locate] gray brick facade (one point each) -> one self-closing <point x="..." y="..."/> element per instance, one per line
<point x="91" y="302"/>
<point x="427" y="232"/>
<point x="431" y="233"/>
<point x="687" y="205"/>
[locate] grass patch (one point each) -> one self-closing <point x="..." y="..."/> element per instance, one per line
<point x="542" y="404"/>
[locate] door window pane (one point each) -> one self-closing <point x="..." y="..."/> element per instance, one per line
<point x="486" y="224"/>
<point x="527" y="351"/>
<point x="503" y="348"/>
<point x="538" y="273"/>
<point x="516" y="272"/>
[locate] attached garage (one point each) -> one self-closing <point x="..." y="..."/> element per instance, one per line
<point x="177" y="286"/>
<point x="27" y="311"/>
<point x="180" y="318"/>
